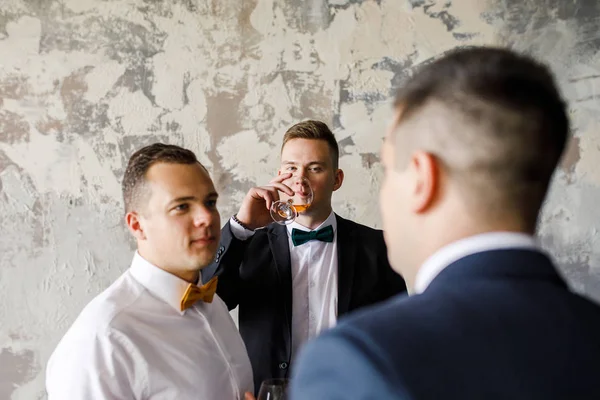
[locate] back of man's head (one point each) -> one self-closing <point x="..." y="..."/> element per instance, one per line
<point x="495" y="122"/>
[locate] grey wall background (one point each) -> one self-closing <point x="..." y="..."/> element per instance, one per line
<point x="83" y="83"/>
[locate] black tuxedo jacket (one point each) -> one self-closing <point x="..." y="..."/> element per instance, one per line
<point x="255" y="275"/>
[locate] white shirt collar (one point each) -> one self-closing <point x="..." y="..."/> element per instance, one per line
<point x="162" y="284"/>
<point x="464" y="247"/>
<point x="331" y="220"/>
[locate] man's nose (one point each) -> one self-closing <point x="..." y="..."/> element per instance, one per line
<point x="203" y="216"/>
<point x="301" y="173"/>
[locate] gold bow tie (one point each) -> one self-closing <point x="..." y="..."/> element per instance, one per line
<point x="194" y="293"/>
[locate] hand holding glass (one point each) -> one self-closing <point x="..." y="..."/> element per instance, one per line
<point x="285" y="210"/>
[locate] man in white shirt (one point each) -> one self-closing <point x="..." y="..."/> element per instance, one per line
<point x="468" y="162"/>
<point x="154" y="333"/>
<point x="292" y="282"/>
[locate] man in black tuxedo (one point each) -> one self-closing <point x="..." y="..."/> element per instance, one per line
<point x="289" y="288"/>
<point x="468" y="161"/>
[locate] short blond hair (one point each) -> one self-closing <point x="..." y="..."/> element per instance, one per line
<point x="314" y="130"/>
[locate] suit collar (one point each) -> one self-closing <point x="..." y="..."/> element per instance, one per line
<point x="276" y="229"/>
<point x="346" y="250"/>
<point x="464" y="247"/>
<point x="500" y="264"/>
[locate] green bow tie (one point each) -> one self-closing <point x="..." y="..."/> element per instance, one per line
<point x="300" y="237"/>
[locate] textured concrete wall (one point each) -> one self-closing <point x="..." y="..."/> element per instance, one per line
<point x="83" y="83"/>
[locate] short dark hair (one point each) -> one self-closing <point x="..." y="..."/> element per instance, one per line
<point x="141" y="161"/>
<point x="504" y="119"/>
<point x="314" y="130"/>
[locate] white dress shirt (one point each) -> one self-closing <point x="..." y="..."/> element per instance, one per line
<point x="314" y="282"/>
<point x="465" y="247"/>
<point x="133" y="342"/>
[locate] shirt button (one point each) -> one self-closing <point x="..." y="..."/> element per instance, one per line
<point x="283" y="365"/>
<point x="312" y="284"/>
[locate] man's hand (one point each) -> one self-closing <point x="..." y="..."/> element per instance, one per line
<point x="249" y="396"/>
<point x="254" y="211"/>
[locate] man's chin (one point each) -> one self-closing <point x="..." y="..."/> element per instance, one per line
<point x="201" y="261"/>
<point x="315" y="209"/>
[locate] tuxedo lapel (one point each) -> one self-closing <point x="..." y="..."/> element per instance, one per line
<point x="346" y="251"/>
<point x="278" y="242"/>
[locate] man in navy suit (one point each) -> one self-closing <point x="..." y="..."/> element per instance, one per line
<point x="477" y="136"/>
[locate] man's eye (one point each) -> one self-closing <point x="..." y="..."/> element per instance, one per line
<point x="182" y="207"/>
<point x="291" y="168"/>
<point x="316" y="169"/>
<point x="211" y="203"/>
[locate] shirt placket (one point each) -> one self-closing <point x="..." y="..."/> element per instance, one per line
<point x="312" y="317"/>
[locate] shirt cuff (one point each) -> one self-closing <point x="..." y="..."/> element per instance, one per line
<point x="239" y="231"/>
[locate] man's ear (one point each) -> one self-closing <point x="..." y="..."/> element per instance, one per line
<point x="135" y="226"/>
<point x="424" y="171"/>
<point x="338" y="179"/>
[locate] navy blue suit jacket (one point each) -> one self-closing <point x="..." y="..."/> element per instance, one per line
<point x="494" y="325"/>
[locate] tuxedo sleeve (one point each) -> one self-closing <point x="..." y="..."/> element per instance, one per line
<point x="226" y="266"/>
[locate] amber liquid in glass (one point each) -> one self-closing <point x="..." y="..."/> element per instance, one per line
<point x="298" y="207"/>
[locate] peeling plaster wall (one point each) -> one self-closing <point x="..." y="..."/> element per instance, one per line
<point x="84" y="83"/>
